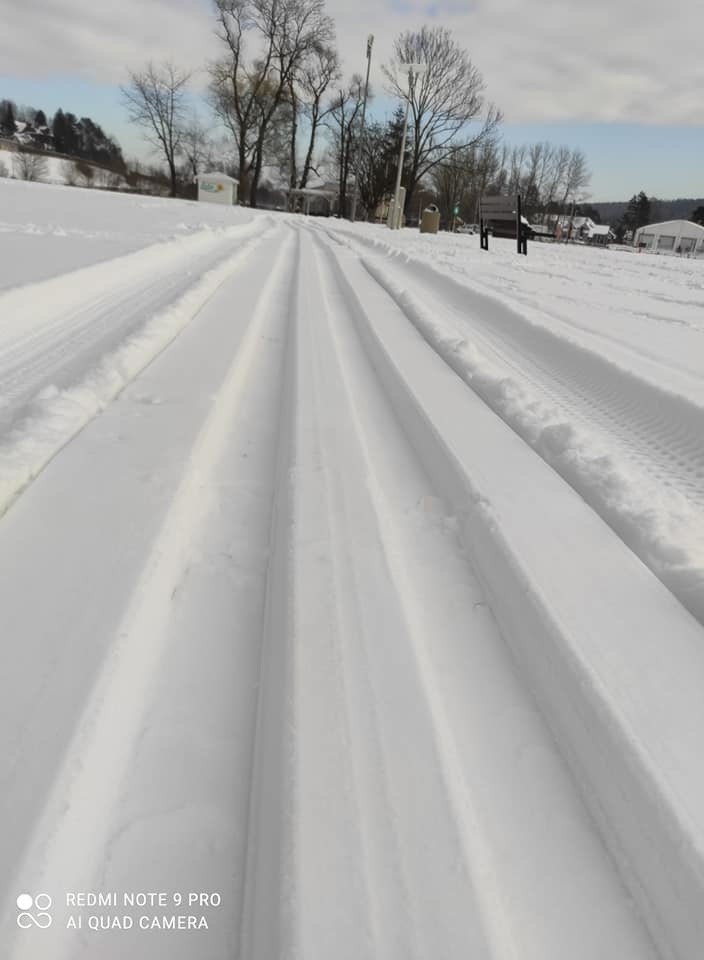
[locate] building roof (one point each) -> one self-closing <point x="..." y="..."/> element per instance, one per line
<point x="599" y="229"/>
<point x="217" y="177"/>
<point x="687" y="227"/>
<point x="311" y="192"/>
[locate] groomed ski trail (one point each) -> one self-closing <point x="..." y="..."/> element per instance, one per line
<point x="333" y="665"/>
<point x="631" y="447"/>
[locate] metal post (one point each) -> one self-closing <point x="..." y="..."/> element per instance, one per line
<point x="370" y="44"/>
<point x="569" y="229"/>
<point x="519" y="224"/>
<point x="396" y="222"/>
<point x="413" y="69"/>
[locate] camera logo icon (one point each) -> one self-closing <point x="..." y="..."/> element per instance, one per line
<point x="39" y="917"/>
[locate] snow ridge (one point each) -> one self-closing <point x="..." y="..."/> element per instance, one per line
<point x="56" y="415"/>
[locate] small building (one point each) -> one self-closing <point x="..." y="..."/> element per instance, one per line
<point x="598" y="234"/>
<point x="672" y="236"/>
<point x="541" y="231"/>
<point x="217" y="187"/>
<point x="323" y="199"/>
<point x="583" y="229"/>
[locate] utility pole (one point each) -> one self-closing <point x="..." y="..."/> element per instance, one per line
<point x="355" y="193"/>
<point x="413" y="70"/>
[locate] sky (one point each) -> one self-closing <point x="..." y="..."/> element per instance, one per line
<point x="620" y="79"/>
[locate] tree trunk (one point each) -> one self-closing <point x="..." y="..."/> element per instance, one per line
<point x="258" y="161"/>
<point x="243" y="191"/>
<point x="172" y="173"/>
<point x="293" y="173"/>
<point x="309" y="153"/>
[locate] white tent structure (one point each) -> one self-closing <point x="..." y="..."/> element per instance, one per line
<point x="308" y="194"/>
<point x="672" y="236"/>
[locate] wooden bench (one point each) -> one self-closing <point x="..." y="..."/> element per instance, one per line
<point x="502" y="215"/>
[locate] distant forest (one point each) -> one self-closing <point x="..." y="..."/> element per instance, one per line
<point x="64" y="133"/>
<point x="660" y="210"/>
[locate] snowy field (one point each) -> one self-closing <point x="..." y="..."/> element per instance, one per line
<point x="353" y="579"/>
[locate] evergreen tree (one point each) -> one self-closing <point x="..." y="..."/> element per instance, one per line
<point x="638" y="213"/>
<point x="7" y="118"/>
<point x="379" y="161"/>
<point x="587" y="210"/>
<point x="40" y="119"/>
<point x="58" y="129"/>
<point x="697" y="216"/>
<point x="72" y="135"/>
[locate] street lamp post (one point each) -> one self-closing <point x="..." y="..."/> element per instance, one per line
<point x="414" y="70"/>
<point x="355" y="193"/>
<point x="575" y="202"/>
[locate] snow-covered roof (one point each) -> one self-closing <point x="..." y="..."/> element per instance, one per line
<point x="599" y="230"/>
<point x="312" y="192"/>
<point x="681" y="227"/>
<point x="577" y="222"/>
<point x="216" y="176"/>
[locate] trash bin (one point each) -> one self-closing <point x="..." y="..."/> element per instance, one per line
<point x="430" y="220"/>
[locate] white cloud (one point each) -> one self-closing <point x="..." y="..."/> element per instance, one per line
<point x="99" y="41"/>
<point x="543" y="60"/>
<point x="633" y="61"/>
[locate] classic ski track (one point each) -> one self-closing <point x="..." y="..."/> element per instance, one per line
<point x="342" y="462"/>
<point x="649" y="434"/>
<point x="668" y="447"/>
<point x="632" y="754"/>
<point x="337" y="781"/>
<point x="73" y="835"/>
<point x="25" y="456"/>
<point x="511" y="295"/>
<point x="97" y="324"/>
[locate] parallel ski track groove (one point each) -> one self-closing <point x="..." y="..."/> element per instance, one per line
<point x="662" y="434"/>
<point x="98" y="324"/>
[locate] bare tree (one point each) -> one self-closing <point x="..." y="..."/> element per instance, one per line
<point x="558" y="163"/>
<point x="69" y="173"/>
<point x="196" y="145"/>
<point x="155" y="100"/>
<point x="319" y="70"/>
<point x="86" y="171"/>
<point x="534" y="176"/>
<point x="550" y="178"/>
<point x="247" y="92"/>
<point x="465" y="176"/>
<point x="445" y="99"/>
<point x="343" y="119"/>
<point x="577" y="176"/>
<point x="29" y="166"/>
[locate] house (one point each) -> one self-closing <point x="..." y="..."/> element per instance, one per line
<point x="598" y="234"/>
<point x="541" y="231"/>
<point x="583" y="229"/>
<point x="672" y="236"/>
<point x="27" y="135"/>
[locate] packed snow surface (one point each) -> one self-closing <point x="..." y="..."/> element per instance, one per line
<point x="351" y="590"/>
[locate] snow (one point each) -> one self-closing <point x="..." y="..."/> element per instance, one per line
<point x="56" y="170"/>
<point x="354" y="576"/>
<point x="625" y="428"/>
